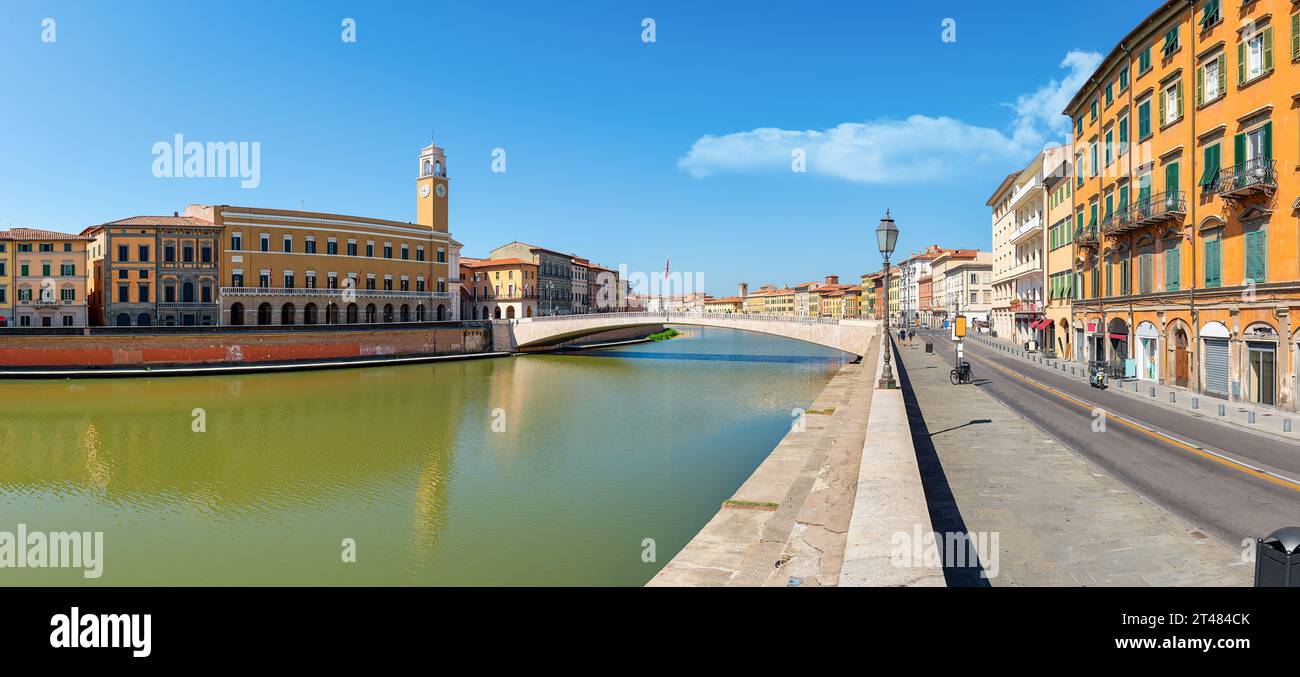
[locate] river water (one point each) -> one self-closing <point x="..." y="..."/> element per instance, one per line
<point x="569" y="469"/>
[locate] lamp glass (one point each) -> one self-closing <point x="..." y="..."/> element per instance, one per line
<point x="886" y="236"/>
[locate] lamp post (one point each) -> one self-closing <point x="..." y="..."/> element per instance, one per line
<point x="886" y="238"/>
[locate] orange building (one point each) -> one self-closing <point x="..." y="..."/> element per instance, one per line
<point x="498" y="288"/>
<point x="49" y="276"/>
<point x="1185" y="201"/>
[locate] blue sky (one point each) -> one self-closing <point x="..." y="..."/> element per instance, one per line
<point x="616" y="150"/>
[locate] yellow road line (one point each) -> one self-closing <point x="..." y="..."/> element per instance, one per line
<point x="1203" y="453"/>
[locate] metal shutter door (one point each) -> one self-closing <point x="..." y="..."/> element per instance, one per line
<point x="1216" y="366"/>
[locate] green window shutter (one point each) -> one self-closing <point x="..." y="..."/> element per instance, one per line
<point x="1211" y="166"/>
<point x="1123" y="135"/>
<point x="1123" y="199"/>
<point x="1268" y="49"/>
<point x="1161" y="120"/>
<point x="1212" y="263"/>
<point x="1171" y="269"/>
<point x="1241" y="62"/>
<point x="1295" y="35"/>
<point x="1200" y="85"/>
<point x="1171" y="177"/>
<point x="1144" y="120"/>
<point x="1239" y="150"/>
<point x="1178" y="112"/>
<point x="1268" y="140"/>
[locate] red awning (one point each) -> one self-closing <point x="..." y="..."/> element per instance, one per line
<point x="1119" y="337"/>
<point x="1092" y="327"/>
<point x="1044" y="324"/>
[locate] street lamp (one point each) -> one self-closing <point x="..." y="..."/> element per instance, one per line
<point x="886" y="238"/>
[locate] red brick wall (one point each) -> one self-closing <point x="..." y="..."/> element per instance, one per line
<point x="109" y="351"/>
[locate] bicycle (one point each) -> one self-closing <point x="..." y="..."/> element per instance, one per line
<point x="962" y="374"/>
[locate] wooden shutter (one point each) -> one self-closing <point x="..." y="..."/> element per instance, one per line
<point x="1160" y="121"/>
<point x="1239" y="150"/>
<point x="1241" y="62"/>
<point x="1268" y="49"/>
<point x="1295" y="35"/>
<point x="1268" y="140"/>
<point x="1178" y="96"/>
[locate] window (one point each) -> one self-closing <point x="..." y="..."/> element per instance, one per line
<point x="1092" y="151"/>
<point x="68" y="270"/>
<point x="288" y="244"/>
<point x="332" y="247"/>
<point x="1110" y="94"/>
<point x="1144" y="61"/>
<point x="1212" y="166"/>
<point x="123" y="253"/>
<point x="1295" y="36"/>
<point x="1123" y="79"/>
<point x="1110" y="147"/>
<point x="1078" y="169"/>
<point x="1171" y="178"/>
<point x="236" y="279"/>
<point x="143" y="292"/>
<point x="205" y="254"/>
<point x="388" y="250"/>
<point x="1211" y="14"/>
<point x="1171" y="42"/>
<point x="1171" y="103"/>
<point x="1144" y="120"/>
<point x="169" y="253"/>
<point x="1257" y="144"/>
<point x="266" y="242"/>
<point x="236" y="241"/>
<point x="1209" y="80"/>
<point x="406" y="252"/>
<point x="1255" y="55"/>
<point x="311" y="245"/>
<point x="187" y="254"/>
<point x="1171" y="266"/>
<point x="1078" y="127"/>
<point x="45" y="270"/>
<point x="1093" y="111"/>
<point x="288" y="280"/>
<point x="1123" y="134"/>
<point x="1213" y="263"/>
<point x="419" y="253"/>
<point x="1255" y="255"/>
<point x="352" y="247"/>
<point x="370" y="250"/>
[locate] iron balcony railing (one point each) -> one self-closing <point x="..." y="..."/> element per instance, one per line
<point x="333" y="293"/>
<point x="1167" y="206"/>
<point x="1250" y="177"/>
<point x="1086" y="236"/>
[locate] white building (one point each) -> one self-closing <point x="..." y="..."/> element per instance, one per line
<point x="909" y="282"/>
<point x="963" y="284"/>
<point x="1019" y="247"/>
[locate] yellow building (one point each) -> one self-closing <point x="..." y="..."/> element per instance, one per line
<point x="498" y="288"/>
<point x="779" y="302"/>
<point x="1185" y="200"/>
<point x="727" y="305"/>
<point x="6" y="280"/>
<point x="48" y="277"/>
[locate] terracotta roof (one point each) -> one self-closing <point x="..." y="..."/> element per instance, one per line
<point x="159" y="221"/>
<point x="36" y="234"/>
<point x="490" y="263"/>
<point x="728" y="299"/>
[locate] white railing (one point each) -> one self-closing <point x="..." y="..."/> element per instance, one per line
<point x="668" y="316"/>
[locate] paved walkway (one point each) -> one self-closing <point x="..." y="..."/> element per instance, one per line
<point x="1060" y="521"/>
<point x="1266" y="420"/>
<point x="786" y="525"/>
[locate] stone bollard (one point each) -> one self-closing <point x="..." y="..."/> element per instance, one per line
<point x="1286" y="425"/>
<point x="1172" y="398"/>
<point x="1196" y="403"/>
<point x="1221" y="410"/>
<point x="1250" y="417"/>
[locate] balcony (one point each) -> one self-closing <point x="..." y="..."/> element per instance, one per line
<point x="1170" y="206"/>
<point x="192" y="305"/>
<point x="333" y="293"/>
<point x="1253" y="177"/>
<point x="1087" y="237"/>
<point x="1022" y="191"/>
<point x="1026" y="231"/>
<point x="1029" y="267"/>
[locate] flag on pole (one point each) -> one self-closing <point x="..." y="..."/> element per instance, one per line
<point x="666" y="260"/>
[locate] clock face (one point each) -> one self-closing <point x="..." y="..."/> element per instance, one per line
<point x="442" y="190"/>
<point x="424" y="190"/>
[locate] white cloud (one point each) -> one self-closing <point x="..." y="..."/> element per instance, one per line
<point x="891" y="151"/>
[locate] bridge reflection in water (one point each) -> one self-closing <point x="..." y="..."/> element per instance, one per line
<point x="596" y="453"/>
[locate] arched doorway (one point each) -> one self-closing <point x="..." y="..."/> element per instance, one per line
<point x="187" y="292"/>
<point x="123" y="320"/>
<point x="237" y="314"/>
<point x="144" y="320"/>
<point x="372" y="315"/>
<point x="1148" y="353"/>
<point x="1216" y="356"/>
<point x="528" y="312"/>
<point x="331" y="314"/>
<point x="442" y="312"/>
<point x="419" y="313"/>
<point x="1260" y="346"/>
<point x="1117" y="337"/>
<point x="352" y="313"/>
<point x="287" y="313"/>
<point x="1180" y="362"/>
<point x="510" y="313"/>
<point x="309" y="314"/>
<point x="388" y="312"/>
<point x="486" y="314"/>
<point x="405" y="313"/>
<point x="496" y="313"/>
<point x="264" y="314"/>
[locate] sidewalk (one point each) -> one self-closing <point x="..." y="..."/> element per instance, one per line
<point x="1266" y="420"/>
<point x="1059" y="520"/>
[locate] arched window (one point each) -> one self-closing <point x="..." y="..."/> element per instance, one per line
<point x="371" y="314"/>
<point x="486" y="314"/>
<point x="406" y="313"/>
<point x="388" y="312"/>
<point x="187" y="292"/>
<point x="123" y="320"/>
<point x="437" y="168"/>
<point x="442" y="312"/>
<point x="496" y="313"/>
<point x="419" y="313"/>
<point x="331" y="314"/>
<point x="352" y="313"/>
<point x="264" y="314"/>
<point x="309" y="314"/>
<point x="144" y="320"/>
<point x="510" y="313"/>
<point x="426" y="167"/>
<point x="287" y="313"/>
<point x="237" y="314"/>
<point x="528" y="312"/>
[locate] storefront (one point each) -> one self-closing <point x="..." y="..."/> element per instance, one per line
<point x="1261" y="364"/>
<point x="1117" y="333"/>
<point x="1148" y="361"/>
<point x="1214" y="337"/>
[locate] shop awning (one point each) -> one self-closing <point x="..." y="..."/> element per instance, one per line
<point x="1119" y="337"/>
<point x="1042" y="324"/>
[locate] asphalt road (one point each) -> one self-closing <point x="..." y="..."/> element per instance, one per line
<point x="1229" y="483"/>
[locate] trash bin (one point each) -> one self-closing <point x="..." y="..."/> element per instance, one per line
<point x="929" y="347"/>
<point x="1277" y="559"/>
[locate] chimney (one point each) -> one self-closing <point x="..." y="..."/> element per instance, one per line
<point x="744" y="289"/>
<point x="176" y="213"/>
<point x="832" y="279"/>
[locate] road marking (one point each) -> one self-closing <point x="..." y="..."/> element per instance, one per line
<point x="1207" y="454"/>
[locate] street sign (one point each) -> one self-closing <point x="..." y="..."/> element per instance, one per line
<point x="959" y="327"/>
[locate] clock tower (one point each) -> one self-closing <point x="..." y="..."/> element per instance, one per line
<point x="431" y="189"/>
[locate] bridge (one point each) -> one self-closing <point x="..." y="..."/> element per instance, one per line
<point x="537" y="333"/>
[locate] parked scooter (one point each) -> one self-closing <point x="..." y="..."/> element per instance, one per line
<point x="1098" y="378"/>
